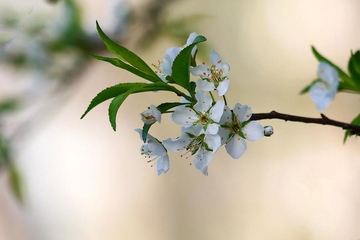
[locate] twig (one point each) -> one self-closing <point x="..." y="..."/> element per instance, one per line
<point x="354" y="129"/>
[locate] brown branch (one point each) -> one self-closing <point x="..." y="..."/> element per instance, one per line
<point x="354" y="129"/>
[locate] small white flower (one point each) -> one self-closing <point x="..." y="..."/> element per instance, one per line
<point x="203" y="113"/>
<point x="235" y="129"/>
<point x="214" y="77"/>
<point x="151" y="115"/>
<point x="195" y="141"/>
<point x="156" y="152"/>
<point x="324" y="90"/>
<point x="165" y="67"/>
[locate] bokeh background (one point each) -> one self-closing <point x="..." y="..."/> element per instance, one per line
<point x="81" y="180"/>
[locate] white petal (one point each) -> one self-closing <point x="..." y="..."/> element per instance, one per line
<point x="191" y="39"/>
<point x="166" y="66"/>
<point x="215" y="57"/>
<point x="243" y="112"/>
<point x="253" y="131"/>
<point x="328" y="73"/>
<point x="212" y="128"/>
<point x="163" y="164"/>
<point x="217" y="110"/>
<point x="204" y="85"/>
<point x="169" y="58"/>
<point x="225" y="68"/>
<point x="226" y="117"/>
<point x="173" y="52"/>
<point x="202" y="160"/>
<point x="156" y="147"/>
<point x="321" y="95"/>
<point x="213" y="141"/>
<point x="176" y="144"/>
<point x="236" y="147"/>
<point x="156" y="113"/>
<point x="200" y="70"/>
<point x="184" y="115"/>
<point x="224" y="135"/>
<point x="204" y="102"/>
<point x="179" y="144"/>
<point x="223" y="87"/>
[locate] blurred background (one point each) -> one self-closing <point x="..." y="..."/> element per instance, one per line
<point x="66" y="178"/>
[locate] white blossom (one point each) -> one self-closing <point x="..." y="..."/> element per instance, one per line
<point x="235" y="128"/>
<point x="213" y="77"/>
<point x="195" y="141"/>
<point x="165" y="68"/>
<point x="324" y="90"/>
<point x="155" y="151"/>
<point x="203" y="113"/>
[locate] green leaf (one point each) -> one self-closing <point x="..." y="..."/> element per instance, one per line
<point x="111" y="92"/>
<point x="356" y="61"/>
<point x="321" y="58"/>
<point x="354" y="68"/>
<point x="346" y="87"/>
<point x="116" y="103"/>
<point x="4" y="152"/>
<point x="355" y="121"/>
<point x="307" y="88"/>
<point x="180" y="67"/>
<point x="192" y="89"/>
<point x="121" y="64"/>
<point x="16" y="182"/>
<point x="8" y="105"/>
<point x="164" y="107"/>
<point x="123" y="88"/>
<point x="125" y="54"/>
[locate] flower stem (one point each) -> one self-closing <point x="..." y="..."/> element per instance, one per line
<point x="225" y="99"/>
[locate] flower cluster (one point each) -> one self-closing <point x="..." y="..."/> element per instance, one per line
<point x="206" y="120"/>
<point x="206" y="123"/>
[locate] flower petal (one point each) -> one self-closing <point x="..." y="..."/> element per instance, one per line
<point x="215" y="58"/>
<point x="223" y="87"/>
<point x="204" y="102"/>
<point x="320" y="95"/>
<point x="156" y="113"/>
<point x="190" y="40"/>
<point x="163" y="164"/>
<point x="236" y="147"/>
<point x="156" y="147"/>
<point x="212" y="128"/>
<point x="217" y="110"/>
<point x="243" y="112"/>
<point x="224" y="135"/>
<point x="205" y="85"/>
<point x="253" y="131"/>
<point x="226" y="118"/>
<point x="201" y="70"/>
<point x="328" y="73"/>
<point x="225" y="67"/>
<point x="213" y="141"/>
<point x="184" y="115"/>
<point x="202" y="160"/>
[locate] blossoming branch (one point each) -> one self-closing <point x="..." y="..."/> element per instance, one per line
<point x="202" y="112"/>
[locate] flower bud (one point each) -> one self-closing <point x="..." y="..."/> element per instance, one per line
<point x="151" y="115"/>
<point x="268" y="131"/>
